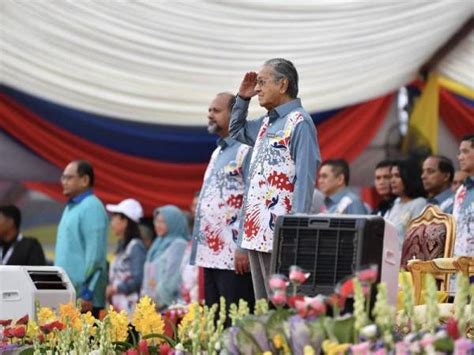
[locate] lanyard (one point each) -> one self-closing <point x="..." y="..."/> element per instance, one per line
<point x="9" y="253"/>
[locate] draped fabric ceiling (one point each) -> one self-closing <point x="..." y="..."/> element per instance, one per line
<point x="127" y="84"/>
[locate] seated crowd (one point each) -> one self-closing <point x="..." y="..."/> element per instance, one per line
<point x="157" y="264"/>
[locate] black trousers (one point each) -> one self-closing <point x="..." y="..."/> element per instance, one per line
<point x="228" y="284"/>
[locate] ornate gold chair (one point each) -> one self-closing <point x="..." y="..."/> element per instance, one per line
<point x="429" y="236"/>
<point x="441" y="268"/>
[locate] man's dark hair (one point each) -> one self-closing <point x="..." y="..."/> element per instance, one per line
<point x="445" y="165"/>
<point x="85" y="168"/>
<point x="339" y="166"/>
<point x="469" y="138"/>
<point x="410" y="173"/>
<point x="13" y="212"/>
<point x="384" y="164"/>
<point x="284" y="69"/>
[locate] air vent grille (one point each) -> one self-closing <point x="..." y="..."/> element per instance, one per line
<point x="47" y="280"/>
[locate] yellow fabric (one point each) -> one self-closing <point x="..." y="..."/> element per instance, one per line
<point x="456" y="87"/>
<point x="423" y="125"/>
<point x="441" y="295"/>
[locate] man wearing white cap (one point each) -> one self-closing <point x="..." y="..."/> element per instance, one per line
<point x="126" y="270"/>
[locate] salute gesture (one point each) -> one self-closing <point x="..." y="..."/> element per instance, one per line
<point x="247" y="87"/>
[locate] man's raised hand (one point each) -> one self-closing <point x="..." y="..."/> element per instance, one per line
<point x="247" y="86"/>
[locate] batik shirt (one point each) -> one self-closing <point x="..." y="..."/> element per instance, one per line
<point x="344" y="202"/>
<point x="218" y="213"/>
<point x="282" y="169"/>
<point x="463" y="213"/>
<point x="444" y="200"/>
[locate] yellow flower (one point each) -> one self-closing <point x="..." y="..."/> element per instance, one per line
<point x="308" y="350"/>
<point x="334" y="348"/>
<point x="45" y="315"/>
<point x="88" y="318"/>
<point x="278" y="341"/>
<point x="147" y="320"/>
<point x="70" y="315"/>
<point x="267" y="353"/>
<point x="118" y="325"/>
<point x="32" y="329"/>
<point x="185" y="327"/>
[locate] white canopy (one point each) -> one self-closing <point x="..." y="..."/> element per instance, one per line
<point x="162" y="61"/>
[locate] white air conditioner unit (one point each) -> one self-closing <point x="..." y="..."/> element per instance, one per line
<point x="23" y="287"/>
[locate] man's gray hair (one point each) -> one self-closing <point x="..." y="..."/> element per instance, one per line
<point x="284" y="69"/>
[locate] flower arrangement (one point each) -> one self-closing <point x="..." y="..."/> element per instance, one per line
<point x="296" y="324"/>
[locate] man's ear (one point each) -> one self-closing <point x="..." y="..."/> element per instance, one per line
<point x="340" y="180"/>
<point x="283" y="86"/>
<point x="85" y="180"/>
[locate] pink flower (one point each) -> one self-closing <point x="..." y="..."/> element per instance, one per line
<point x="369" y="274"/>
<point x="23" y="320"/>
<point x="310" y="306"/>
<point x="132" y="351"/>
<point x="165" y="349"/>
<point x="380" y="351"/>
<point x="346" y="289"/>
<point x="427" y="340"/>
<point x="278" y="298"/>
<point x="401" y="348"/>
<point x="143" y="347"/>
<point x="7" y="333"/>
<point x="452" y="328"/>
<point x="463" y="346"/>
<point x="361" y="349"/>
<point x="5" y="322"/>
<point x="297" y="275"/>
<point x="301" y="307"/>
<point x="278" y="282"/>
<point x="18" y="332"/>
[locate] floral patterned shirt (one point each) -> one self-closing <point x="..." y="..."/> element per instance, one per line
<point x="218" y="214"/>
<point x="463" y="213"/>
<point x="282" y="169"/>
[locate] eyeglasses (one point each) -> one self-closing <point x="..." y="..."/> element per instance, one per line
<point x="66" y="177"/>
<point x="261" y="82"/>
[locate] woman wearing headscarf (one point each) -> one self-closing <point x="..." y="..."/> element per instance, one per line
<point x="126" y="270"/>
<point x="162" y="279"/>
<point x="407" y="186"/>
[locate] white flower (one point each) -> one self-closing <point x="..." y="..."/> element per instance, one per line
<point x="369" y="331"/>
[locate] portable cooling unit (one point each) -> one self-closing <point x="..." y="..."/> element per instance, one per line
<point x="332" y="247"/>
<point x="23" y="287"/>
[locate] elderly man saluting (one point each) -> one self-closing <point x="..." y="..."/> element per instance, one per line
<point x="284" y="161"/>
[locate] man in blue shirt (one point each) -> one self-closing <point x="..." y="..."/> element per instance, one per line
<point x="219" y="212"/>
<point x="333" y="180"/>
<point x="464" y="201"/>
<point x="81" y="242"/>
<point x="284" y="160"/>
<point x="437" y="176"/>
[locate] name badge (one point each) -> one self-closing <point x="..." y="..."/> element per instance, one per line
<point x="271" y="135"/>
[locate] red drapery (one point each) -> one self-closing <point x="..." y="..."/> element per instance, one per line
<point x="153" y="182"/>
<point x="458" y="117"/>
<point x="348" y="133"/>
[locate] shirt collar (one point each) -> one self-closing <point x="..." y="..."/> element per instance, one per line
<point x="441" y="196"/>
<point x="80" y="197"/>
<point x="226" y="142"/>
<point x="469" y="182"/>
<point x="283" y="110"/>
<point x="337" y="197"/>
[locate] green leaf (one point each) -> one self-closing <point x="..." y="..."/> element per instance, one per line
<point x="445" y="345"/>
<point x="342" y="329"/>
<point x="161" y="336"/>
<point x="28" y="351"/>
